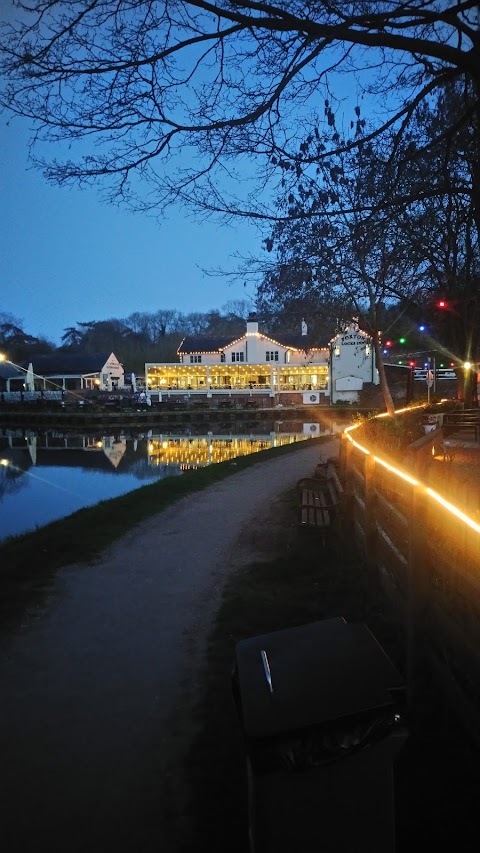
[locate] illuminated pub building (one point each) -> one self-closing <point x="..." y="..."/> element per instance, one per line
<point x="288" y="367"/>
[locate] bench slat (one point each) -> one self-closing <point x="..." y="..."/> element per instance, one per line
<point x="319" y="499"/>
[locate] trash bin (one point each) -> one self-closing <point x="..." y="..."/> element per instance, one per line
<point x="320" y="706"/>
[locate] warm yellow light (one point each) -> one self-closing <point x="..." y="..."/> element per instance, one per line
<point x="467" y="365"/>
<point x="454" y="510"/>
<point x="396" y="471"/>
<point x="359" y="447"/>
<point x="99" y="444"/>
<point x="3" y="357"/>
<point x="4" y="462"/>
<point x="450" y="507"/>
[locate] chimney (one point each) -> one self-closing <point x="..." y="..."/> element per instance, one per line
<point x="252" y="346"/>
<point x="252" y="324"/>
<point x="304" y="328"/>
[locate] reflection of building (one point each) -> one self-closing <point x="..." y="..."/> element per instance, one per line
<point x="67" y="449"/>
<point x="253" y="363"/>
<point x="70" y="372"/>
<point x="199" y="451"/>
<point x="288" y="367"/>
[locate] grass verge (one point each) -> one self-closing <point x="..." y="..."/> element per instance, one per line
<point x="28" y="562"/>
<point x="435" y="785"/>
<point x="81" y="536"/>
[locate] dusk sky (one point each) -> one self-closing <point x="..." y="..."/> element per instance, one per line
<point x="68" y="257"/>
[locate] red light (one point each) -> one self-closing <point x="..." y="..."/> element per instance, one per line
<point x="441" y="304"/>
<point x="411" y="363"/>
<point x="388" y="343"/>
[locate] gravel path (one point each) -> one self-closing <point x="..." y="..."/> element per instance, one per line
<point x="90" y="683"/>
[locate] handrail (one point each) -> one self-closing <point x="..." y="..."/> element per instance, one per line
<point x="397" y="471"/>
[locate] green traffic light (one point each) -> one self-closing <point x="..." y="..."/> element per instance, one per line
<point x="402" y="341"/>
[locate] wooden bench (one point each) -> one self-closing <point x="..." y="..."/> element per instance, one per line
<point x="320" y="501"/>
<point x="461" y="422"/>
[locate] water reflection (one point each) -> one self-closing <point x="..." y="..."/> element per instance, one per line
<point x="47" y="475"/>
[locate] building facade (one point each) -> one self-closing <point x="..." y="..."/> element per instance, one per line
<point x="68" y="372"/>
<point x="287" y="367"/>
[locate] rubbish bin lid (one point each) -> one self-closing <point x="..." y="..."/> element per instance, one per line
<point x="312" y="674"/>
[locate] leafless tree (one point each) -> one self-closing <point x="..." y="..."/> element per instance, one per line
<point x="191" y="95"/>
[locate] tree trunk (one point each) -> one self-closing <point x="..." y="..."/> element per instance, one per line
<point x="387" y="397"/>
<point x="467" y="387"/>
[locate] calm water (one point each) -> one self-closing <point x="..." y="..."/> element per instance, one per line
<point x="48" y="475"/>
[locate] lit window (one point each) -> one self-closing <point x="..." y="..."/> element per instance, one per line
<point x="336" y="351"/>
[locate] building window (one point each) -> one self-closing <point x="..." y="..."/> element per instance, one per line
<point x="238" y="356"/>
<point x="336" y="351"/>
<point x="222" y="357"/>
<point x="272" y="355"/>
<point x="195" y="359"/>
<point x="233" y="356"/>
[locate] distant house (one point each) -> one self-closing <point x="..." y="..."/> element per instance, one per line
<point x="70" y="372"/>
<point x="7" y="372"/>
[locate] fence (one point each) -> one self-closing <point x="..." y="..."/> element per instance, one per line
<point x="29" y="396"/>
<point x="427" y="555"/>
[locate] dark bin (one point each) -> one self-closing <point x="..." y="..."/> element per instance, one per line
<point x="320" y="709"/>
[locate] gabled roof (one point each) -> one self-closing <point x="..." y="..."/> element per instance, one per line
<point x="217" y="343"/>
<point x="8" y="370"/>
<point x="294" y="340"/>
<point x="205" y="343"/>
<point x="63" y="364"/>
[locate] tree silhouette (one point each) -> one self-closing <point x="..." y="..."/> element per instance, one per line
<point x="151" y="82"/>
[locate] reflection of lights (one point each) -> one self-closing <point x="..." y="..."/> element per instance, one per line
<point x="192" y="452"/>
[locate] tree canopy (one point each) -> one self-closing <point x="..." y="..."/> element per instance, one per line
<point x="182" y="93"/>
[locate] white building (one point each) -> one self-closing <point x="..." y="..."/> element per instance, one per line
<point x="69" y="372"/>
<point x="352" y="364"/>
<point x="287" y="367"/>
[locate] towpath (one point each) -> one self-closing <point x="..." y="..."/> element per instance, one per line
<point x="92" y="681"/>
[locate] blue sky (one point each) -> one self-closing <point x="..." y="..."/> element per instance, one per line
<point x="67" y="257"/>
